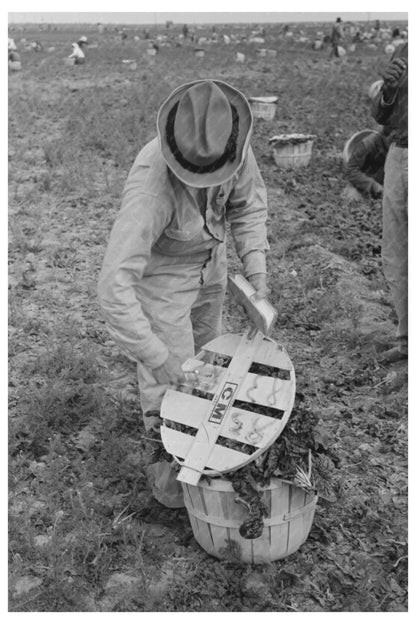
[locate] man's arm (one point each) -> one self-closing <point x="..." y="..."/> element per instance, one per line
<point x="139" y="223"/>
<point x="383" y="104"/>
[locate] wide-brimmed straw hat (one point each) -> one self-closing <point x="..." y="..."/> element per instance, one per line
<point x="204" y="130"/>
<point x="353" y="141"/>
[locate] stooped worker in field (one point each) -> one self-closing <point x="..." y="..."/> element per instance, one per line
<point x="390" y="107"/>
<point x="77" y="54"/>
<point x="365" y="156"/>
<point x="82" y="42"/>
<point x="164" y="274"/>
<point x="365" y="161"/>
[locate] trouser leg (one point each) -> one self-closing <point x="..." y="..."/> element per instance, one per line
<point x="167" y="300"/>
<point x="184" y="306"/>
<point x="395" y="235"/>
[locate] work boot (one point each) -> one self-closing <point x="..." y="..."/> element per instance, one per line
<point x="394" y="355"/>
<point x="160" y="472"/>
<point x="395" y="381"/>
<point x="166" y="489"/>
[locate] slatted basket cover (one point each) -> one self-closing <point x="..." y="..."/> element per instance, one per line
<point x="236" y="402"/>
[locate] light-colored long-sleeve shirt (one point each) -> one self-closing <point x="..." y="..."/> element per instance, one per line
<point x="159" y="214"/>
<point x="77" y="52"/>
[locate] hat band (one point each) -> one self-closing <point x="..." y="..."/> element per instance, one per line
<point x="230" y="150"/>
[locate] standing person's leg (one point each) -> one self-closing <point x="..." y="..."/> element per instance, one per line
<point x="167" y="296"/>
<point x="395" y="237"/>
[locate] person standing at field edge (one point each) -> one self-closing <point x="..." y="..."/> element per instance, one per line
<point x="390" y="107"/>
<point x="164" y="275"/>
<point x="337" y="35"/>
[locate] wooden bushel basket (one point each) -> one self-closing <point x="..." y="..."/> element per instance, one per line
<point x="15" y="66"/>
<point x="292" y="150"/>
<point x="215" y="518"/>
<point x="263" y="107"/>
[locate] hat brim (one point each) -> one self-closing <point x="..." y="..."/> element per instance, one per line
<point x="224" y="173"/>
<point x="352" y="142"/>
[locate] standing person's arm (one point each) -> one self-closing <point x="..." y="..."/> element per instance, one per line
<point x="138" y="225"/>
<point x="383" y="104"/>
<point x="247" y="215"/>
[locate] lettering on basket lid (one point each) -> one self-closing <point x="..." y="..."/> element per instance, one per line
<point x="222" y="403"/>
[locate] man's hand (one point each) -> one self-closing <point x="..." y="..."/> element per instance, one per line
<point x="170" y="373"/>
<point x="391" y="76"/>
<point x="259" y="282"/>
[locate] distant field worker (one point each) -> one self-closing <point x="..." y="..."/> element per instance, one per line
<point x="390" y="107"/>
<point x="82" y="42"/>
<point x="77" y="54"/>
<point x="337" y="35"/>
<point x="164" y="275"/>
<point x="13" y="56"/>
<point x="365" y="158"/>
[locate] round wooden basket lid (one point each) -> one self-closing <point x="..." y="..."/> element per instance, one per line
<point x="236" y="402"/>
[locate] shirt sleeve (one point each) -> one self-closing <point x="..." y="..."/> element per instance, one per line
<point x="247" y="215"/>
<point x="139" y="223"/>
<point x="380" y="109"/>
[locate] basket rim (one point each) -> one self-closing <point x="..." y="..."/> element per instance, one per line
<point x="282" y="139"/>
<point x="267" y="99"/>
<point x="221" y="484"/>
